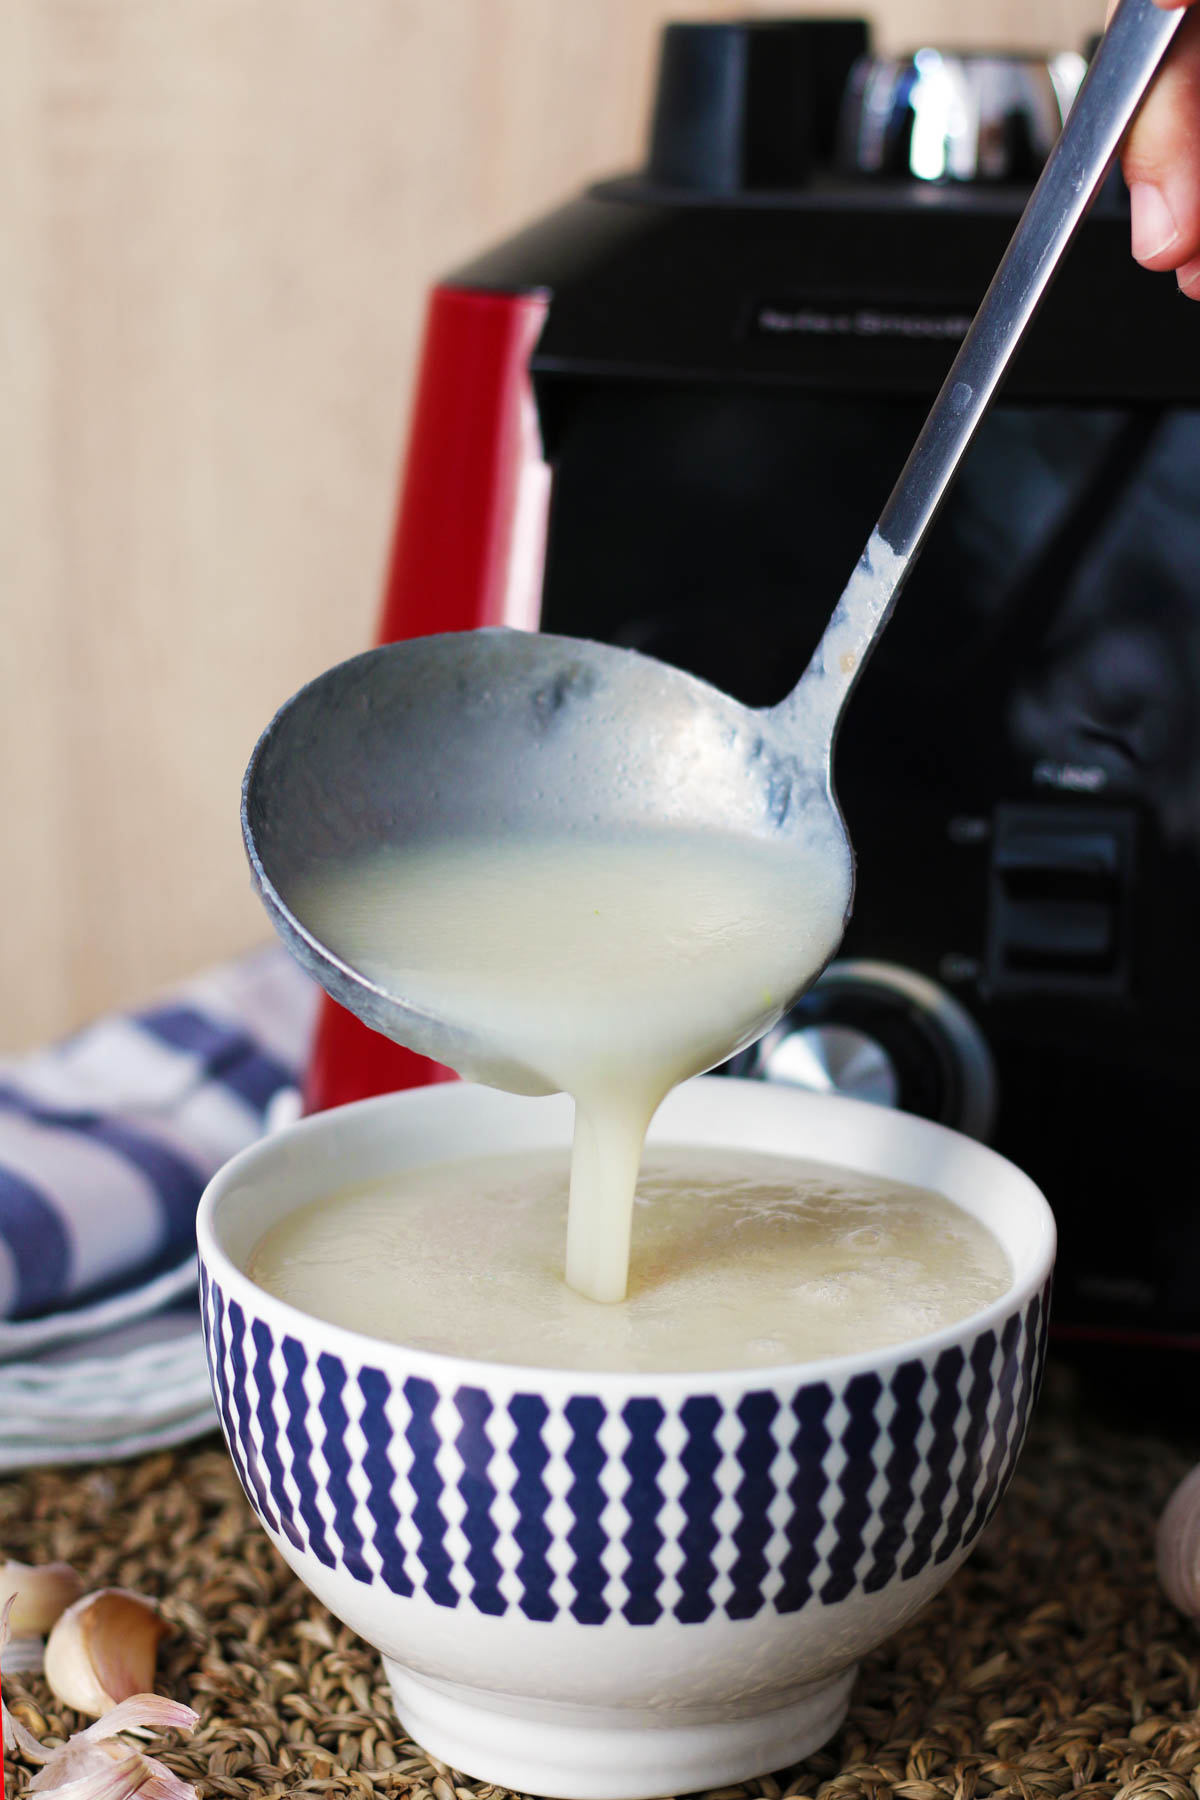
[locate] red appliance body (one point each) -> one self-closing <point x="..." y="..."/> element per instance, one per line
<point x="468" y="550"/>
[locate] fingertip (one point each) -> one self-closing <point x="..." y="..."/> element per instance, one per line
<point x="1153" y="231"/>
<point x="1188" y="278"/>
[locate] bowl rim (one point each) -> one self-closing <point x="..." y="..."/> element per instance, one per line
<point x="449" y="1370"/>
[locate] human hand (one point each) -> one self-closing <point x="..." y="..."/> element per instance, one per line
<point x="1161" y="160"/>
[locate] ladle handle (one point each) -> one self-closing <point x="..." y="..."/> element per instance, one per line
<point x="1121" y="70"/>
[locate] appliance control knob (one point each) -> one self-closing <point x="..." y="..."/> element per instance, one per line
<point x="832" y="1059"/>
<point x="963" y="116"/>
<point x="882" y="1033"/>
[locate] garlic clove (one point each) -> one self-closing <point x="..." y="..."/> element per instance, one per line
<point x="40" y="1594"/>
<point x="1178" y="1546"/>
<point x="96" y="1764"/>
<point x="143" y="1712"/>
<point x="163" y="1784"/>
<point x="103" y="1649"/>
<point x="108" y="1771"/>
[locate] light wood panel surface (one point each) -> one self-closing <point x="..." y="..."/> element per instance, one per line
<point x="218" y="219"/>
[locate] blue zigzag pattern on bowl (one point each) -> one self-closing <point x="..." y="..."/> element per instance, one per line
<point x="498" y="1500"/>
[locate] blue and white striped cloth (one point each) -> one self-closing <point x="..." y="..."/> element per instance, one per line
<point x="107" y="1141"/>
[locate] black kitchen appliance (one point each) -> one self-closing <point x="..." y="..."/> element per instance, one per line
<point x="732" y="352"/>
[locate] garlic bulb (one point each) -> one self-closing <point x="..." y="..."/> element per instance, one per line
<point x="38" y="1593"/>
<point x="103" y="1650"/>
<point x="1179" y="1546"/>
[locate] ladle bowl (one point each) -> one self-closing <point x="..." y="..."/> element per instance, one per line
<point x="502" y="733"/>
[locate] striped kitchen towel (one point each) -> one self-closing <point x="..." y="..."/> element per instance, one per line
<point x="107" y="1142"/>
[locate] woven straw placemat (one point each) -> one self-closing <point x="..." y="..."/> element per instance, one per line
<point x="1051" y="1665"/>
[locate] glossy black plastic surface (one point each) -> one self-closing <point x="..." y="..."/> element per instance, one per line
<point x="728" y="383"/>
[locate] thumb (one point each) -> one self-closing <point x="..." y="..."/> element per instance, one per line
<point x="1161" y="161"/>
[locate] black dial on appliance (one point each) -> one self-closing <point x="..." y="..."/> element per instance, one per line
<point x="878" y="1032"/>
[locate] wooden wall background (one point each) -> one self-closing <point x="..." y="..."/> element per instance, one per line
<point x="218" y="219"/>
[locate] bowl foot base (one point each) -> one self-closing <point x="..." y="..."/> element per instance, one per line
<point x="594" y="1753"/>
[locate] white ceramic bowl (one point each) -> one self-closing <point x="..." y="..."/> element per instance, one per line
<point x="605" y="1585"/>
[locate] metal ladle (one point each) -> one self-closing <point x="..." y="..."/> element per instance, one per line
<point x="498" y="732"/>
